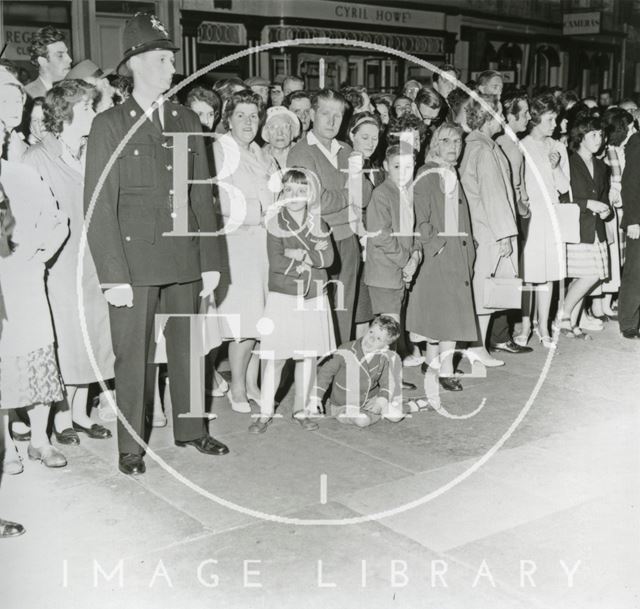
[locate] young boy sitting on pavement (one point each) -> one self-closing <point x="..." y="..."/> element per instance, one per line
<point x="366" y="378"/>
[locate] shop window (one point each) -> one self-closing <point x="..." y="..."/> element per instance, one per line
<point x="546" y="64"/>
<point x="510" y="59"/>
<point x="335" y="70"/>
<point x="490" y="58"/>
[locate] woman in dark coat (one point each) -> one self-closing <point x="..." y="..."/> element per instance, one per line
<point x="587" y="261"/>
<point x="440" y="308"/>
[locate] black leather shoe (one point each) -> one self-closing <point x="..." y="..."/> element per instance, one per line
<point x="67" y="436"/>
<point x="206" y="445"/>
<point x="131" y="464"/>
<point x="630" y="334"/>
<point x="511" y="347"/>
<point x="450" y="383"/>
<point x="10" y="529"/>
<point x="408" y="386"/>
<point x="97" y="432"/>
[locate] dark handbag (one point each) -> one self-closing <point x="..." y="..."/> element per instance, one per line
<point x="503" y="292"/>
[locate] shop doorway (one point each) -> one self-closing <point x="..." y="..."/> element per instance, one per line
<point x="335" y="70"/>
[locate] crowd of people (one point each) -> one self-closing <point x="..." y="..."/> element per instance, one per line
<point x="355" y="234"/>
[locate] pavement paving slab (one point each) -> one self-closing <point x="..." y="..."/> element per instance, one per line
<point x="562" y="487"/>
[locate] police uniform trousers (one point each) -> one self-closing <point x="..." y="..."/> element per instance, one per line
<point x="132" y="331"/>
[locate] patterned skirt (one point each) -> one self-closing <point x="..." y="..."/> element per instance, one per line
<point x="588" y="259"/>
<point x="30" y="379"/>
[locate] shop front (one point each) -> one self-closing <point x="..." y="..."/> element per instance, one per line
<point x="354" y="54"/>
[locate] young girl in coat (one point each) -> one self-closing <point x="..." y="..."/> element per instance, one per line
<point x="297" y="315"/>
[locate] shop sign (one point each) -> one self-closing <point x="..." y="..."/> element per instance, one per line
<point x="18" y="38"/>
<point x="210" y="32"/>
<point x="419" y="45"/>
<point x="346" y="12"/>
<point x="581" y="23"/>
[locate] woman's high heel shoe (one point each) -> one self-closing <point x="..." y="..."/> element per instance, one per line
<point x="242" y="407"/>
<point x="546" y="341"/>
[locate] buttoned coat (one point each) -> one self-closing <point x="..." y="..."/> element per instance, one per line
<point x="284" y="277"/>
<point x="631" y="182"/>
<point x="387" y="251"/>
<point x="381" y="376"/>
<point x="544" y="252"/>
<point x="440" y="303"/>
<point x="135" y="203"/>
<point x="585" y="187"/>
<point x="66" y="182"/>
<point x="486" y="180"/>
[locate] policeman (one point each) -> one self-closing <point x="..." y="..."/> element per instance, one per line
<point x="141" y="270"/>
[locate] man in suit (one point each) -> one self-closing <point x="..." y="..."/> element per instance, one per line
<point x="49" y="53"/>
<point x="629" y="300"/>
<point x="141" y="269"/>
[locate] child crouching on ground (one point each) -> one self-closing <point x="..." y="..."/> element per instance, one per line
<point x="366" y="378"/>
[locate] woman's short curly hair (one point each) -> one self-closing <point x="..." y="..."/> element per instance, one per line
<point x="406" y="122"/>
<point x="542" y="104"/>
<point x="245" y="96"/>
<point x="60" y="99"/>
<point x="205" y="95"/>
<point x="478" y="113"/>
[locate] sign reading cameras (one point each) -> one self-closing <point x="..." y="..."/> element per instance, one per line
<point x="581" y="23"/>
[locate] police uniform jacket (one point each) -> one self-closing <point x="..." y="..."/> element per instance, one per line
<point x="135" y="204"/>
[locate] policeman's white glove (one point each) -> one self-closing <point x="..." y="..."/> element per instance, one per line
<point x="210" y="281"/>
<point x="120" y="295"/>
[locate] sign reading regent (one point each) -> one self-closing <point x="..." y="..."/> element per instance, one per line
<point x="18" y="38"/>
<point x="581" y="23"/>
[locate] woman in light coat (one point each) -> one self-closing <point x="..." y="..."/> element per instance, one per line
<point x="546" y="176"/>
<point x="59" y="158"/>
<point x="487" y="184"/>
<point x="242" y="174"/>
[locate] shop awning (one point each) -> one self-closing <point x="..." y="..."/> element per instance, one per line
<point x="420" y="45"/>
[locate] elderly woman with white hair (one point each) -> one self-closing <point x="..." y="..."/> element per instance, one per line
<point x="281" y="128"/>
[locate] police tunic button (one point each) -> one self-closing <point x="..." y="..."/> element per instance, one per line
<point x="174" y="214"/>
<point x="132" y="113"/>
<point x="174" y="113"/>
<point x="127" y="238"/>
<point x="136" y="152"/>
<point x="171" y="192"/>
<point x="169" y="167"/>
